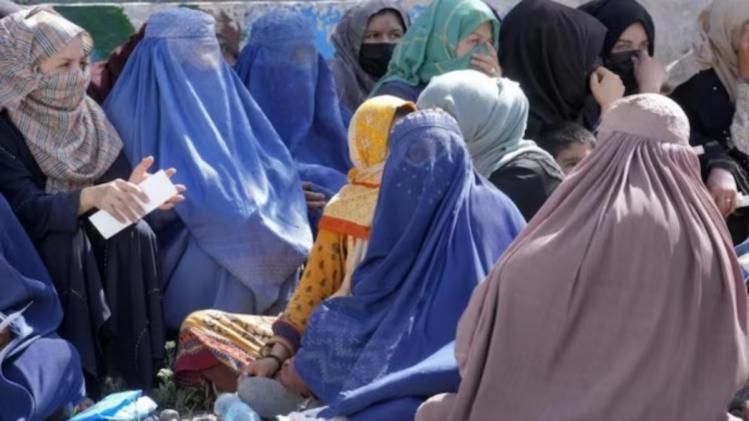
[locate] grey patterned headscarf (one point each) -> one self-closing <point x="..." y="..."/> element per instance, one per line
<point x="352" y="82"/>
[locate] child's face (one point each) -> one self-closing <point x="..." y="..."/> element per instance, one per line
<point x="570" y="157"/>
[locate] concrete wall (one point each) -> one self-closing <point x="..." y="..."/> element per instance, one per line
<point x="111" y="23"/>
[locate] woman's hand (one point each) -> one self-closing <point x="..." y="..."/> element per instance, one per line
<point x="607" y="87"/>
<point x="487" y="63"/>
<point x="121" y="199"/>
<point x="289" y="377"/>
<point x="650" y="73"/>
<point x="314" y="200"/>
<point x="722" y="187"/>
<point x="263" y="367"/>
<point x="140" y="174"/>
<point x="744" y="53"/>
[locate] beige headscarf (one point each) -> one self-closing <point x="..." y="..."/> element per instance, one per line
<point x="721" y="24"/>
<point x="68" y="134"/>
<point x="622" y="300"/>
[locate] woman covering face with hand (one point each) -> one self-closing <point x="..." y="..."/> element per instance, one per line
<point x="364" y="41"/>
<point x="449" y="35"/>
<point x="553" y="51"/>
<point x="629" y="45"/>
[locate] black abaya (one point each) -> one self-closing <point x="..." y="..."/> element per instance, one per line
<point x="110" y="290"/>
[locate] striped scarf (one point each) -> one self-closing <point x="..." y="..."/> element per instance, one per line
<point x="68" y="134"/>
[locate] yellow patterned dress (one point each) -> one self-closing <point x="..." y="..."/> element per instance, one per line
<point x="208" y="338"/>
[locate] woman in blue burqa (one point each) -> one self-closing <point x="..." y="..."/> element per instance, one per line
<point x="292" y="84"/>
<point x="40" y="374"/>
<point x="437" y="231"/>
<point x="237" y="241"/>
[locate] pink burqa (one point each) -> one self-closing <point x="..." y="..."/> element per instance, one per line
<point x="622" y="300"/>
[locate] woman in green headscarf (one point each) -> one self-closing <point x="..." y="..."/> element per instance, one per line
<point x="449" y="35"/>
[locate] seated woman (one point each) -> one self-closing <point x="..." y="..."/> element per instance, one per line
<point x="569" y="143"/>
<point x="40" y="374"/>
<point x="629" y="45"/>
<point x="448" y="35"/>
<point x="553" y="51"/>
<point x="716" y="101"/>
<point x="492" y="115"/>
<point x="60" y="159"/>
<point x="238" y="240"/>
<point x="216" y="346"/>
<point x="622" y="292"/>
<point x="364" y="40"/>
<point x="438" y="229"/>
<point x="294" y="88"/>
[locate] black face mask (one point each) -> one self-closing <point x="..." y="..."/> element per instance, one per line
<point x="622" y="65"/>
<point x="374" y="58"/>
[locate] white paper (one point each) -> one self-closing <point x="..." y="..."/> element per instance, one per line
<point x="743" y="201"/>
<point x="699" y="149"/>
<point x="158" y="188"/>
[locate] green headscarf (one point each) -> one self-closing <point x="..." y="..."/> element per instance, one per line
<point x="428" y="48"/>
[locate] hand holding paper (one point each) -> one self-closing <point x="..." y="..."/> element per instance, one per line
<point x="158" y="189"/>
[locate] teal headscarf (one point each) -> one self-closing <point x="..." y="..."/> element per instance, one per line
<point x="428" y="48"/>
<point x="492" y="114"/>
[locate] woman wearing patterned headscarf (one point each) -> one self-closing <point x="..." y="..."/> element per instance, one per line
<point x="716" y="101"/>
<point x="364" y="40"/>
<point x="618" y="299"/>
<point x="60" y="159"/>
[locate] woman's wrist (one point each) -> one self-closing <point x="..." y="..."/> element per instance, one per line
<point x="87" y="200"/>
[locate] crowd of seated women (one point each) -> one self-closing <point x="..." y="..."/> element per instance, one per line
<point x="457" y="217"/>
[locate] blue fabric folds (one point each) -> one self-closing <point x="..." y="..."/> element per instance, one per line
<point x="39" y="373"/>
<point x="292" y="84"/>
<point x="438" y="230"/>
<point x="180" y="102"/>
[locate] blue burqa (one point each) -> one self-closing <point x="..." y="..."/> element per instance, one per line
<point x="245" y="227"/>
<point x="438" y="230"/>
<point x="292" y="84"/>
<point x="39" y="372"/>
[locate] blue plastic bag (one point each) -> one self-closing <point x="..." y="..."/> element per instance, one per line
<point x="130" y="405"/>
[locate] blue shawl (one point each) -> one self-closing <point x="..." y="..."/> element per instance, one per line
<point x="180" y="102"/>
<point x="438" y="230"/>
<point x="25" y="282"/>
<point x="292" y="84"/>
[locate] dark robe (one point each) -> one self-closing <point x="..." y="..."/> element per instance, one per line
<point x="710" y="111"/>
<point x="527" y="182"/>
<point x="110" y="289"/>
